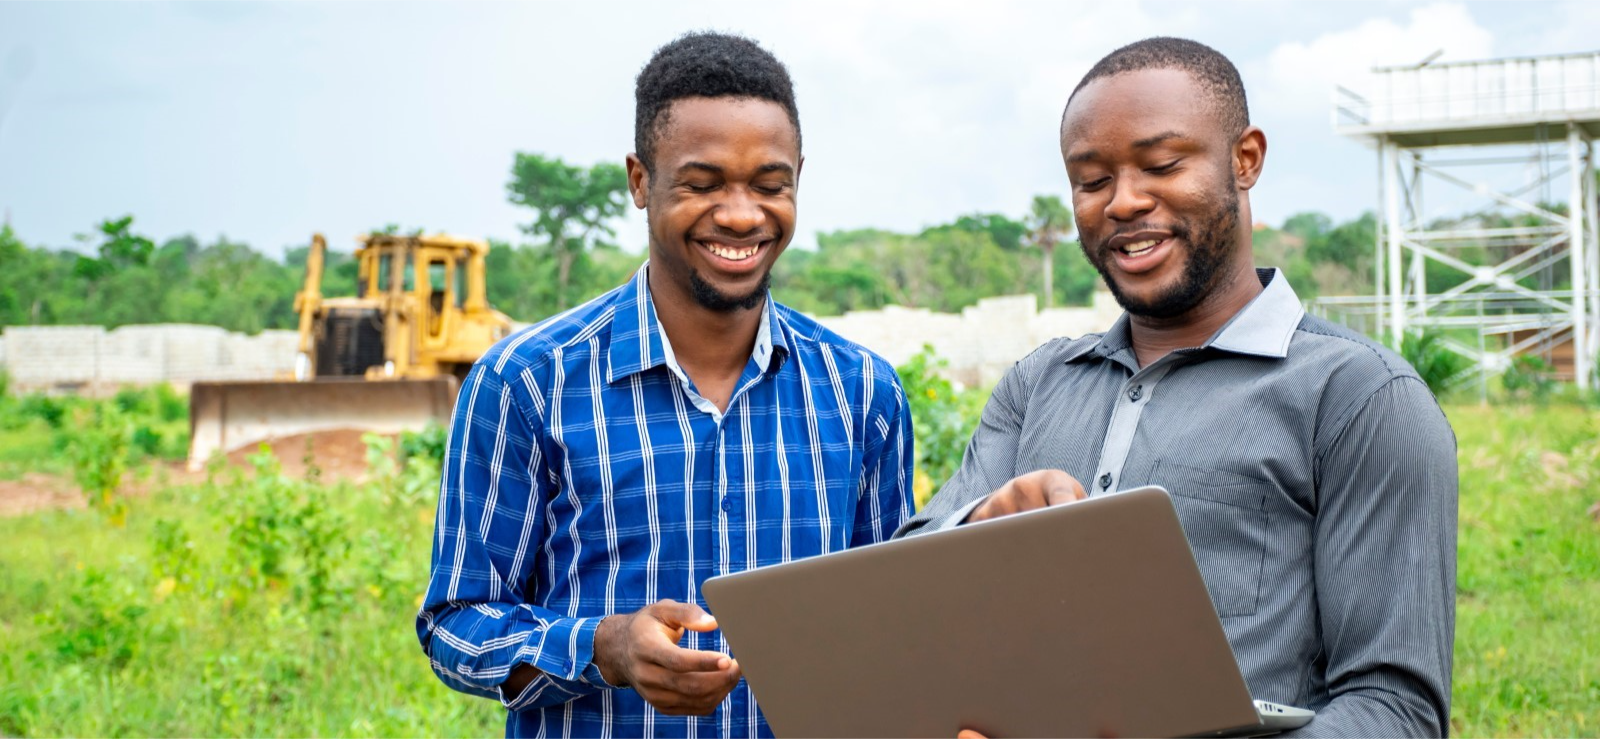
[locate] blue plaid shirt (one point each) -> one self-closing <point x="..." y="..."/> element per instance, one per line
<point x="586" y="477"/>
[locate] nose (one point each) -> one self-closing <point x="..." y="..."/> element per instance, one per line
<point x="739" y="212"/>
<point x="1129" y="201"/>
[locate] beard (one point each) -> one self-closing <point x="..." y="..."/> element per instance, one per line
<point x="713" y="299"/>
<point x="1210" y="243"/>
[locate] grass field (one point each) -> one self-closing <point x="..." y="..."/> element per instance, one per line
<point x="258" y="603"/>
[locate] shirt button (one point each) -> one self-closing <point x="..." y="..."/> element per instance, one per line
<point x="1136" y="393"/>
<point x="727" y="504"/>
<point x="567" y="665"/>
<point x="1105" y="481"/>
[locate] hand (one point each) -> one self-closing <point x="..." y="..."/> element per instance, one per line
<point x="970" y="734"/>
<point x="640" y="650"/>
<point x="1036" y="489"/>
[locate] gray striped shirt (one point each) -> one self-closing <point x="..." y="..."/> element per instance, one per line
<point x="1315" y="477"/>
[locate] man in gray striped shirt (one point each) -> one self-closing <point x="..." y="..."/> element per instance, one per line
<point x="1313" y="471"/>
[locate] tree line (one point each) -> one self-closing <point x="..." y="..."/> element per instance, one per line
<point x="118" y="276"/>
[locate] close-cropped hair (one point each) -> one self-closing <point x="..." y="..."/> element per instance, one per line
<point x="1216" y="76"/>
<point x="705" y="64"/>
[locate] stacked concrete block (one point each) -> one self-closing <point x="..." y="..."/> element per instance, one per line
<point x="44" y="358"/>
<point x="982" y="342"/>
<point x="91" y="360"/>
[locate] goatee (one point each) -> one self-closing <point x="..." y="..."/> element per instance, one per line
<point x="712" y="299"/>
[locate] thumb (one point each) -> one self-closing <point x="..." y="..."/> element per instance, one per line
<point x="970" y="734"/>
<point x="685" y="616"/>
<point x="1060" y="487"/>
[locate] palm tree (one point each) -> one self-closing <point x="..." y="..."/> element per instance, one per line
<point x="1049" y="223"/>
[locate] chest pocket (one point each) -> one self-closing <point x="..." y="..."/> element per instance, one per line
<point x="1225" y="517"/>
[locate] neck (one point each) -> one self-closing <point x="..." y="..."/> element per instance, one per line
<point x="705" y="342"/>
<point x="1154" y="338"/>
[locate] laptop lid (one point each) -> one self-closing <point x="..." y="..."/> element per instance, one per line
<point x="1089" y="619"/>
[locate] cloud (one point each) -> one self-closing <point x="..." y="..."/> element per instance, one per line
<point x="1301" y="76"/>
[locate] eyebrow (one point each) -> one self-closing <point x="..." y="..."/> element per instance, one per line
<point x="1143" y="143"/>
<point x="716" y="170"/>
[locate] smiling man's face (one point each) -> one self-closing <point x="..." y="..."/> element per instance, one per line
<point x="721" y="199"/>
<point x="1153" y="189"/>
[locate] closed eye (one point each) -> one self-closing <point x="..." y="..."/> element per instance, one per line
<point x="1095" y="184"/>
<point x="1165" y="168"/>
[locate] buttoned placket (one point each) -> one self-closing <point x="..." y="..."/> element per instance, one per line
<point x="1136" y="393"/>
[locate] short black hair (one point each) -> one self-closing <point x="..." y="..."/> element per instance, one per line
<point x="705" y="64"/>
<point x="1217" y="76"/>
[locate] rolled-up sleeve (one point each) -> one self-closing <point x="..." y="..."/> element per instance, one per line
<point x="1385" y="567"/>
<point x="476" y="625"/>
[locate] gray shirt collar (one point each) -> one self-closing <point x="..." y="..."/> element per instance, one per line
<point x="1263" y="328"/>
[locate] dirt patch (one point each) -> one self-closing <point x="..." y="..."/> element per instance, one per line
<point x="37" y="492"/>
<point x="339" y="455"/>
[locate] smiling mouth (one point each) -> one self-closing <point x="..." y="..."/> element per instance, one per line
<point x="733" y="253"/>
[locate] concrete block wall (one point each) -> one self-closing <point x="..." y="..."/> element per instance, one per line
<point x="982" y="342"/>
<point x="979" y="344"/>
<point x="92" y="360"/>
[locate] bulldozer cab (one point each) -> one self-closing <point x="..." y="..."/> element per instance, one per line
<point x="430" y="293"/>
<point x="427" y="273"/>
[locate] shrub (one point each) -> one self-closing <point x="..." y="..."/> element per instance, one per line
<point x="1528" y="376"/>
<point x="1436" y="363"/>
<point x="943" y="419"/>
<point x="99" y="453"/>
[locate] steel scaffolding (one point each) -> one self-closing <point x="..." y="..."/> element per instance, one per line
<point x="1521" y="271"/>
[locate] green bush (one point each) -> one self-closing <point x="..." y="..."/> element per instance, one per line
<point x="1436" y="363"/>
<point x="943" y="418"/>
<point x="1528" y="378"/>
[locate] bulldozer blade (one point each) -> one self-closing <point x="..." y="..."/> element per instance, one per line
<point x="225" y="416"/>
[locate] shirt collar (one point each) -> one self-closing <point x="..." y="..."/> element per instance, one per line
<point x="1263" y="328"/>
<point x="1266" y="325"/>
<point x="639" y="344"/>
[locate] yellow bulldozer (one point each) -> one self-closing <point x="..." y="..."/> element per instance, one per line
<point x="387" y="360"/>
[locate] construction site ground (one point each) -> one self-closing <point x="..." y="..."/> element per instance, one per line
<point x="339" y="455"/>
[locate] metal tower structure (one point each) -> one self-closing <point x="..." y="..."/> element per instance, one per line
<point x="1522" y="270"/>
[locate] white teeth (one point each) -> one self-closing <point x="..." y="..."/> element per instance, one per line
<point x="1140" y="247"/>
<point x="736" y="255"/>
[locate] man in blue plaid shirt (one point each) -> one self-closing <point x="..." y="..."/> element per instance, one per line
<point x="606" y="462"/>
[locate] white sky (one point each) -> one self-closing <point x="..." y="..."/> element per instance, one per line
<point x="267" y="121"/>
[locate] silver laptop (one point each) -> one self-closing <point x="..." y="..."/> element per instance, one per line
<point x="1089" y="619"/>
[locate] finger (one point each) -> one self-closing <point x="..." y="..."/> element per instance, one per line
<point x="969" y="734"/>
<point x="703" y="686"/>
<point x="683" y="615"/>
<point x="677" y="659"/>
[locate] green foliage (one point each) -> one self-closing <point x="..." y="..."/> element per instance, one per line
<point x="100" y="457"/>
<point x="943" y="419"/>
<point x="1435" y="363"/>
<point x="573" y="206"/>
<point x="132" y="281"/>
<point x="147" y="629"/>
<point x="1528" y="378"/>
<point x="254" y="604"/>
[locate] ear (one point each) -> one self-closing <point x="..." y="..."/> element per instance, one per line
<point x="638" y="181"/>
<point x="1249" y="155"/>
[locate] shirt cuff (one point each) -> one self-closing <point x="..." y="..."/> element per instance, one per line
<point x="563" y="649"/>
<point x="953" y="520"/>
<point x="564" y="652"/>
